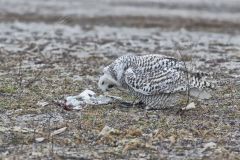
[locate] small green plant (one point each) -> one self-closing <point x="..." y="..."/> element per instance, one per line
<point x="10" y="89"/>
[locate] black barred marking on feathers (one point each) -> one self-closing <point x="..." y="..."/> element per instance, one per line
<point x="153" y="79"/>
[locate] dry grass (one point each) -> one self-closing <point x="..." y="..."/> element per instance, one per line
<point x="164" y="134"/>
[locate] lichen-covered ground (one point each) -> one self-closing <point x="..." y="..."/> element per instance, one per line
<point x="52" y="49"/>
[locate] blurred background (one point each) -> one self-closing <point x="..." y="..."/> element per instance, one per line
<point x="138" y="13"/>
<point x="76" y="20"/>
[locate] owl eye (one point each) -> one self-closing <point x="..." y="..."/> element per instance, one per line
<point x="103" y="83"/>
<point x="111" y="86"/>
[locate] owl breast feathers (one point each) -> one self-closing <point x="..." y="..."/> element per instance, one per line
<point x="153" y="79"/>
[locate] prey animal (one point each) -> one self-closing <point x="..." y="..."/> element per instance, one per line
<point x="152" y="79"/>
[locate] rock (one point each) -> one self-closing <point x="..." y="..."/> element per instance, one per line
<point x="210" y="145"/>
<point x="42" y="103"/>
<point x="37" y="154"/>
<point x="22" y="130"/>
<point x="58" y="131"/>
<point x="172" y="139"/>
<point x="107" y="131"/>
<point x="39" y="139"/>
<point x="189" y="106"/>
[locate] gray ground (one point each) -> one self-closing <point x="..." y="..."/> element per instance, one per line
<point x="50" y="49"/>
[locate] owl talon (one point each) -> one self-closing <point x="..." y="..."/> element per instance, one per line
<point x="180" y="112"/>
<point x="139" y="104"/>
<point x="126" y="104"/>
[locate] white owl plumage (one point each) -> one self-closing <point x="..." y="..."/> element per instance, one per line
<point x="151" y="78"/>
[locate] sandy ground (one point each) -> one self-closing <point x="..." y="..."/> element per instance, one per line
<point x="52" y="49"/>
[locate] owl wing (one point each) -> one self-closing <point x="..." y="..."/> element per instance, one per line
<point x="154" y="81"/>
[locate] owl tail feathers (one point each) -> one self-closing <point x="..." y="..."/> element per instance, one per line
<point x="207" y="84"/>
<point x="199" y="80"/>
<point x="199" y="84"/>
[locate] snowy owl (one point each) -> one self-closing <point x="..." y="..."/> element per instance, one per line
<point x="153" y="79"/>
